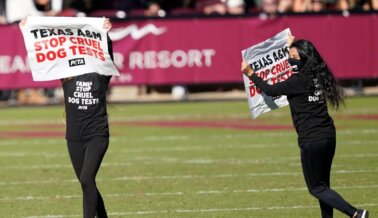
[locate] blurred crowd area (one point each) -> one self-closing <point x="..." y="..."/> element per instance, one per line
<point x="13" y="10"/>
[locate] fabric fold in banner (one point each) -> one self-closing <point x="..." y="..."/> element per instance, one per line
<point x="61" y="47"/>
<point x="269" y="59"/>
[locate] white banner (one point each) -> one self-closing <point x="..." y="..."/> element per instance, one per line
<point x="269" y="59"/>
<point x="60" y="47"/>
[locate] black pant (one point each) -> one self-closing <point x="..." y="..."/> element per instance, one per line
<point x="316" y="164"/>
<point x="86" y="158"/>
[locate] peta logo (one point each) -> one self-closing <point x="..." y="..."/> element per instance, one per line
<point x="135" y="32"/>
<point x="76" y="62"/>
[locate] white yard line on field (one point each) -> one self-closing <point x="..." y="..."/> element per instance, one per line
<point x="130" y="139"/>
<point x="167" y="160"/>
<point x="171" y="148"/>
<point x="209" y="192"/>
<point x="173" y="177"/>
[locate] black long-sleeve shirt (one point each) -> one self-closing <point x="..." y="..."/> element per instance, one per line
<point x="85" y="104"/>
<point x="308" y="108"/>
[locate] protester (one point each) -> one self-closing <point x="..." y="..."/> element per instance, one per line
<point x="308" y="92"/>
<point x="88" y="136"/>
<point x="87" y="131"/>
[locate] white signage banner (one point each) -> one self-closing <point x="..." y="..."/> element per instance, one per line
<point x="61" y="47"/>
<point x="269" y="59"/>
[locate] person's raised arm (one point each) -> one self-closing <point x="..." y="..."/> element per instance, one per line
<point x="291" y="39"/>
<point x="246" y="69"/>
<point x="107" y="24"/>
<point x="282" y="88"/>
<point x="22" y="23"/>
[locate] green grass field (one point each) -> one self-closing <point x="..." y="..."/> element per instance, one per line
<point x="200" y="159"/>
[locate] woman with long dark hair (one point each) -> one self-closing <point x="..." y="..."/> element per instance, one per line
<point x="308" y="92"/>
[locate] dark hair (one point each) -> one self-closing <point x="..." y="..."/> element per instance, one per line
<point x="313" y="64"/>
